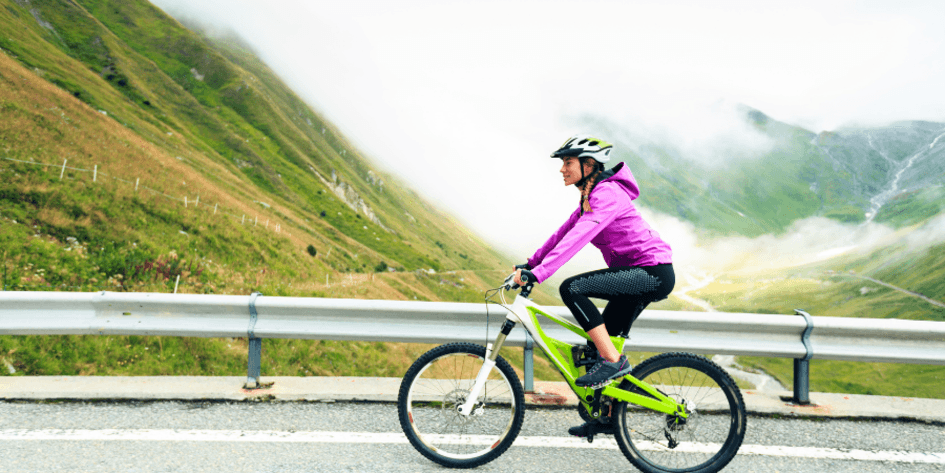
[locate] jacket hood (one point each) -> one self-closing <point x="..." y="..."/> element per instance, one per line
<point x="621" y="175"/>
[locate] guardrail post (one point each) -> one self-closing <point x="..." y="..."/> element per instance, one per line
<point x="529" y="364"/>
<point x="802" y="365"/>
<point x="255" y="349"/>
<point x="255" y="362"/>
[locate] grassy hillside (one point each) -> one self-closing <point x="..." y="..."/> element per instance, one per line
<point x="138" y="155"/>
<point x="846" y="286"/>
<point x="801" y="174"/>
<point x="741" y="194"/>
<point x="121" y="87"/>
<point x="912" y="207"/>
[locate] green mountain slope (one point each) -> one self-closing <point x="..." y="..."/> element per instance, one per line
<point x="891" y="175"/>
<point x="848" y="175"/>
<point x="198" y="119"/>
<point x="138" y="155"/>
<point x="880" y="282"/>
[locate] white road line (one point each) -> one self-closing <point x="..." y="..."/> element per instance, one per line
<point x="170" y="435"/>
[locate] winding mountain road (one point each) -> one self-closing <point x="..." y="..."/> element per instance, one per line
<point x="905" y="291"/>
<point x="695" y="285"/>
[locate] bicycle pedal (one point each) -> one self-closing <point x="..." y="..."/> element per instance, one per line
<point x="602" y="385"/>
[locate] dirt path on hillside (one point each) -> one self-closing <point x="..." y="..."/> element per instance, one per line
<point x="694" y="284"/>
<point x="905" y="291"/>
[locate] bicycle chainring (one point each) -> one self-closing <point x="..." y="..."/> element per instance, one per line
<point x="605" y="410"/>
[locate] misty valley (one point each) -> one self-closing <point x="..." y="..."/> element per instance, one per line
<point x="140" y="154"/>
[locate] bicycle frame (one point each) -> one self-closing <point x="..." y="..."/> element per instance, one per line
<point x="524" y="311"/>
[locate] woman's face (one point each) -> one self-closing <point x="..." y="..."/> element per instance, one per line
<point x="571" y="170"/>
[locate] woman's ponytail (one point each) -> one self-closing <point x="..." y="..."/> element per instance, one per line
<point x="588" y="183"/>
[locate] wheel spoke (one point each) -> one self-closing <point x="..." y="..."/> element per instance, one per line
<point x="433" y="389"/>
<point x="706" y="438"/>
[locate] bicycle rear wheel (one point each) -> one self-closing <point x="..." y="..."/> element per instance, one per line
<point x="437" y="384"/>
<point x="704" y="442"/>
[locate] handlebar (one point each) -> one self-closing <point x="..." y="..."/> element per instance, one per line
<point x="527" y="277"/>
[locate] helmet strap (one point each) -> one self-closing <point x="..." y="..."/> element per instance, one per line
<point x="584" y="175"/>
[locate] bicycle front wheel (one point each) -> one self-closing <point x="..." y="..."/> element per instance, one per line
<point x="434" y="388"/>
<point x="703" y="442"/>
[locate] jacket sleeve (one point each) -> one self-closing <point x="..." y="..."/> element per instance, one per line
<point x="549" y="245"/>
<point x="606" y="205"/>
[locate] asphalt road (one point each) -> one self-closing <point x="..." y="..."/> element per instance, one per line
<point x="252" y="437"/>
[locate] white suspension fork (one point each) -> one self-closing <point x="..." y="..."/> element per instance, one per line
<point x="487" y="365"/>
<point x="492" y="353"/>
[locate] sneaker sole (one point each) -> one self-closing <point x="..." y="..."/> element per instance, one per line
<point x="598" y="432"/>
<point x="620" y="374"/>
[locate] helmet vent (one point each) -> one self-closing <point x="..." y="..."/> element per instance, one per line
<point x="584" y="146"/>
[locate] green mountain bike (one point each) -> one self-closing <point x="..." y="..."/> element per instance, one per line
<point x="461" y="404"/>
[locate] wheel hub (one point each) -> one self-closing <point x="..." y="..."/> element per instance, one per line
<point x="676" y="423"/>
<point x="455" y="399"/>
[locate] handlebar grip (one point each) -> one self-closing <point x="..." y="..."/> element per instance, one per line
<point x="528" y="277"/>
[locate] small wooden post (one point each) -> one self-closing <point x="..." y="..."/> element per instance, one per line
<point x="185" y="201"/>
<point x="137" y="180"/>
<point x="215" y="208"/>
<point x="244" y="220"/>
<point x="95" y="173"/>
<point x="63" y="172"/>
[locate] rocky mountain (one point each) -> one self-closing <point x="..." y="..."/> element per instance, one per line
<point x="902" y="161"/>
<point x="892" y="174"/>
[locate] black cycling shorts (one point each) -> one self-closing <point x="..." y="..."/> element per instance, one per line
<point x="625" y="288"/>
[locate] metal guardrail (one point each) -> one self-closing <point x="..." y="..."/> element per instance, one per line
<point x="257" y="317"/>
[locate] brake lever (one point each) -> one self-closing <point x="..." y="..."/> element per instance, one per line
<point x="509" y="283"/>
<point x="527" y="277"/>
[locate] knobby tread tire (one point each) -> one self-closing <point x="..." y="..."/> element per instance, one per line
<point x="716" y="373"/>
<point x="417" y="367"/>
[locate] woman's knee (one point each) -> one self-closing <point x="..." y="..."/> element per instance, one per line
<point x="565" y="288"/>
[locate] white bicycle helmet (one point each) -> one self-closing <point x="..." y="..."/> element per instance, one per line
<point x="585" y="146"/>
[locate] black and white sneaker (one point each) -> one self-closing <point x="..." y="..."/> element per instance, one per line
<point x="603" y="372"/>
<point x="590" y="429"/>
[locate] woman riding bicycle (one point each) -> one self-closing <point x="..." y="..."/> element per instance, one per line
<point x="639" y="263"/>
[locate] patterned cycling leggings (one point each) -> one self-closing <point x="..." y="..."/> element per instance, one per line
<point x="625" y="288"/>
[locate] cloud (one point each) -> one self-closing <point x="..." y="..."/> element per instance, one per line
<point x="465" y="100"/>
<point x="696" y="255"/>
<point x="806" y="241"/>
<point x="712" y="135"/>
<point x="929" y="234"/>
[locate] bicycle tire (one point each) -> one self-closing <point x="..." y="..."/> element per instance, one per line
<point x="436" y="384"/>
<point x="705" y="442"/>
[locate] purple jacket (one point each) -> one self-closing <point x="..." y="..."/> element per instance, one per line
<point x="613" y="225"/>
